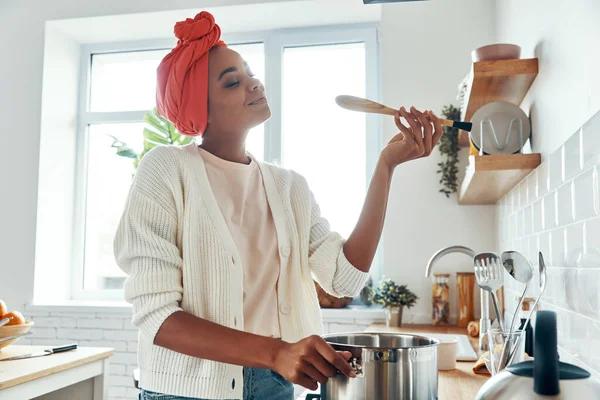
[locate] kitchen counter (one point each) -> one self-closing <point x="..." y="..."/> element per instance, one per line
<point x="77" y="374"/>
<point x="459" y="384"/>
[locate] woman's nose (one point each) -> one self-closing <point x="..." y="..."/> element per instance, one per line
<point x="255" y="83"/>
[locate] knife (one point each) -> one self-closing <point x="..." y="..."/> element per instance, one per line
<point x="4" y="339"/>
<point x="46" y="352"/>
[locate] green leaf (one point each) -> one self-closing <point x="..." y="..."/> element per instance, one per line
<point x="153" y="139"/>
<point x="126" y="152"/>
<point x="159" y="124"/>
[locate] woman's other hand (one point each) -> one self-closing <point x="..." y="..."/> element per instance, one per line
<point x="311" y="360"/>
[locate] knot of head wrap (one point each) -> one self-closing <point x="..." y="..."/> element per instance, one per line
<point x="182" y="76"/>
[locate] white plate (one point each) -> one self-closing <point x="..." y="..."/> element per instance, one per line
<point x="499" y="114"/>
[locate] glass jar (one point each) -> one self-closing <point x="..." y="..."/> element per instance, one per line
<point x="441" y="299"/>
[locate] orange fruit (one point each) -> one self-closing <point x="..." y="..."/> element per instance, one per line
<point x="3" y="309"/>
<point x="15" y="317"/>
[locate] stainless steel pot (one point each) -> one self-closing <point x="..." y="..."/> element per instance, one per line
<point x="389" y="367"/>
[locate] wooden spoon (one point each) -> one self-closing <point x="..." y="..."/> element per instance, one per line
<point x="363" y="105"/>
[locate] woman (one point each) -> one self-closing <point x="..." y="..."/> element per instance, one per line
<point x="221" y="250"/>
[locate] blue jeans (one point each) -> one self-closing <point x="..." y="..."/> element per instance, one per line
<point x="259" y="384"/>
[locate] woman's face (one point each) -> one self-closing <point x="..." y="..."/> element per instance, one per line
<point x="236" y="100"/>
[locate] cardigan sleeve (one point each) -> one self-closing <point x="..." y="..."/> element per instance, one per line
<point x="145" y="245"/>
<point x="329" y="265"/>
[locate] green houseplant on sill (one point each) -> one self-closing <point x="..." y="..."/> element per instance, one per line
<point x="157" y="132"/>
<point x="393" y="297"/>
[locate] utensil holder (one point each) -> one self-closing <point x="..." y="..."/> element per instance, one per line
<point x="498" y="359"/>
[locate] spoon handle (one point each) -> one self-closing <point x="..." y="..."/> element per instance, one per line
<point x="354" y="103"/>
<point x="514" y="318"/>
<point x="498" y="312"/>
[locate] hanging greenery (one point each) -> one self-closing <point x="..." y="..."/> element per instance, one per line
<point x="448" y="146"/>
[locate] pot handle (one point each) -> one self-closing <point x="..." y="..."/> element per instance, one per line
<point x="356" y="365"/>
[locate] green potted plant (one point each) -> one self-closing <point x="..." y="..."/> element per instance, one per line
<point x="157" y="132"/>
<point x="393" y="297"/>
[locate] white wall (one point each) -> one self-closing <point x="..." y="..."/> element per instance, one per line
<point x="564" y="36"/>
<point x="425" y="54"/>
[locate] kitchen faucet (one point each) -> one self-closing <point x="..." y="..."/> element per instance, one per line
<point x="484" y="321"/>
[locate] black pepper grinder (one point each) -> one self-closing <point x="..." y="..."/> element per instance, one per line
<point x="525" y="307"/>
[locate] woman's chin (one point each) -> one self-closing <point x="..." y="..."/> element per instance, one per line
<point x="261" y="116"/>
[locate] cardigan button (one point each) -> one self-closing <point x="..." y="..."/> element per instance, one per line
<point x="285" y="309"/>
<point x="285" y="251"/>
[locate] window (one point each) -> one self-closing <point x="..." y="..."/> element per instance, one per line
<point x="302" y="70"/>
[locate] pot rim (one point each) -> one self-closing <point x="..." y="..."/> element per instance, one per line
<point x="435" y="342"/>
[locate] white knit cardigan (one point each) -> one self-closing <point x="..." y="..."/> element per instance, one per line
<point x="176" y="248"/>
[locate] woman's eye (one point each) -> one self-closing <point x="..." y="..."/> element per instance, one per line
<point x="232" y="84"/>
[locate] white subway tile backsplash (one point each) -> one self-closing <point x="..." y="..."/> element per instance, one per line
<point x="550" y="211"/>
<point x="105" y="323"/>
<point x="521" y="223"/>
<point x="528" y="220"/>
<point x="571" y="293"/>
<point x="574" y="245"/>
<point x="538" y="213"/>
<point x="593" y="354"/>
<point x="556" y="169"/>
<point x="572" y="156"/>
<point x="558" y="241"/>
<point x="592" y="243"/>
<point x="542" y="178"/>
<point x="564" y="204"/>
<point x="556" y="210"/>
<point x="584" y="193"/>
<point x="588" y="291"/>
<point x="533" y="249"/>
<point x="531" y="182"/>
<point x="591" y="141"/>
<point x="544" y="247"/>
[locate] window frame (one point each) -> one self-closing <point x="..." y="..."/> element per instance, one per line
<point x="274" y="44"/>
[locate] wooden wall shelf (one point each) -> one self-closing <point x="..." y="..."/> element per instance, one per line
<point x="490" y="177"/>
<point x="500" y="80"/>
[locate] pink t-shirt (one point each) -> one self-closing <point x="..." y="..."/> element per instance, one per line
<point x="241" y="196"/>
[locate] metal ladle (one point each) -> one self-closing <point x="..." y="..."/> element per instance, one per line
<point x="542" y="271"/>
<point x="521" y="270"/>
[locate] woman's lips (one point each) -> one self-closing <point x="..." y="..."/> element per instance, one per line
<point x="261" y="100"/>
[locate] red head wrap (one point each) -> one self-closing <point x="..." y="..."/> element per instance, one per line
<point x="182" y="76"/>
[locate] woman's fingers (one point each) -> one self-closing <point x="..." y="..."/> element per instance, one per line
<point x="438" y="131"/>
<point x="426" y="124"/>
<point x="415" y="128"/>
<point x="314" y="374"/>
<point x="307" y="382"/>
<point x="335" y="359"/>
<point x="403" y="128"/>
